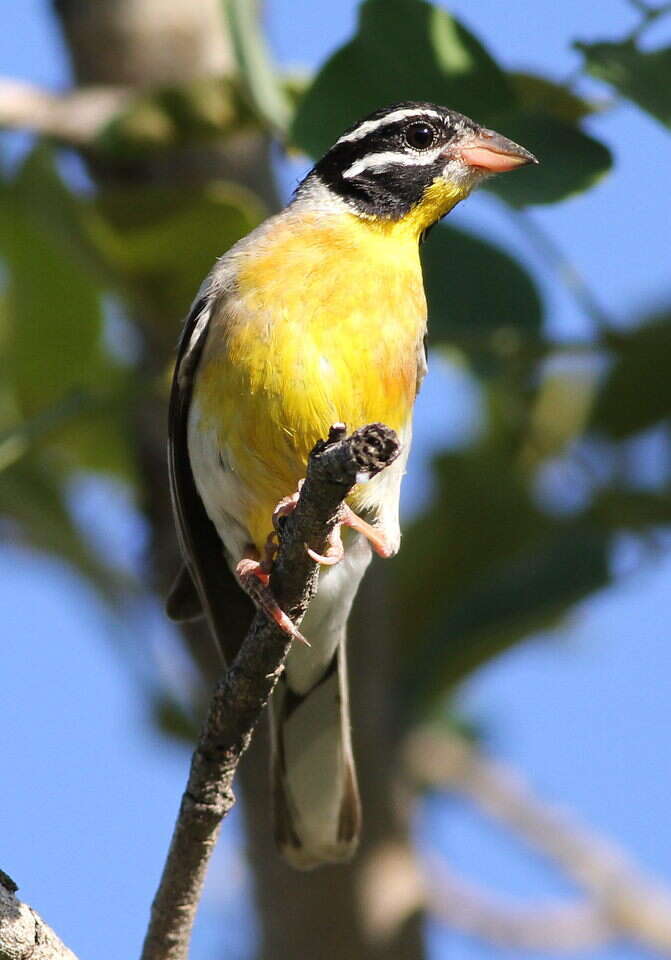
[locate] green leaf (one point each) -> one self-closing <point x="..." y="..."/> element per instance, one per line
<point x="643" y="77"/>
<point x="635" y="395"/>
<point x="562" y="404"/>
<point x="201" y="110"/>
<point x="258" y="73"/>
<point x="53" y="209"/>
<point x="173" y="719"/>
<point x="632" y="509"/>
<point x="54" y="344"/>
<point x="530" y="591"/>
<point x="164" y="240"/>
<point x="101" y="438"/>
<point x="474" y="289"/>
<point x="411" y="50"/>
<point x="31" y="494"/>
<point x="403" y="50"/>
<point x="538" y="94"/>
<point x="494" y="567"/>
<point x="16" y="441"/>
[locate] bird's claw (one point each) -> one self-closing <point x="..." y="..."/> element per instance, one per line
<point x="334" y="550"/>
<point x="286" y="506"/>
<point x="254" y="578"/>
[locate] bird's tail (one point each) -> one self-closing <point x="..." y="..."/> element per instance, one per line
<point x="315" y="794"/>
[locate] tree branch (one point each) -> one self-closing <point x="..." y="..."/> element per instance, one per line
<point x="23" y="933"/>
<point x="541" y="926"/>
<point x="75" y="118"/>
<point x="620" y="896"/>
<point x="334" y="466"/>
<point x="121" y="118"/>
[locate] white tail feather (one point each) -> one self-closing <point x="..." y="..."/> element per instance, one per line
<point x="317" y="810"/>
<point x="317" y="813"/>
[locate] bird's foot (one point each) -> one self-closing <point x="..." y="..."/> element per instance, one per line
<point x="253" y="576"/>
<point x="334" y="550"/>
<point x="378" y="541"/>
<point x="286" y="506"/>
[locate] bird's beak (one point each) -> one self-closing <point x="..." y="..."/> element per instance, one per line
<point x="490" y="152"/>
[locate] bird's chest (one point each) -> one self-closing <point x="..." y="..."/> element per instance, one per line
<point x="320" y="327"/>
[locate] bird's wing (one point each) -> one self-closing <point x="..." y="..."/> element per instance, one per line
<point x="422" y="361"/>
<point x="228" y="610"/>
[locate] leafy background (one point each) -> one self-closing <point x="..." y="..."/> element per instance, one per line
<point x="537" y="503"/>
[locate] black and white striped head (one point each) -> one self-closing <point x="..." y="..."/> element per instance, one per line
<point x="383" y="166"/>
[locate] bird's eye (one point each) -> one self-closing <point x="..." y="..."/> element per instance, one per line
<point x="420" y="136"/>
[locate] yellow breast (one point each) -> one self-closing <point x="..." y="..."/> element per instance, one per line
<point x="324" y="324"/>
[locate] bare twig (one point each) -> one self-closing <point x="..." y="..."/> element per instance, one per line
<point x="626" y="900"/>
<point x="547" y="926"/>
<point x="76" y="117"/>
<point x="243" y="692"/>
<point x="114" y="118"/>
<point x="23" y="933"/>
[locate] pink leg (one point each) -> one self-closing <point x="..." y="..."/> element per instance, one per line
<point x="253" y="577"/>
<point x="375" y="537"/>
<point x="335" y="551"/>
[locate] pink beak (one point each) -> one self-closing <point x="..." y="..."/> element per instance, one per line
<point x="491" y="152"/>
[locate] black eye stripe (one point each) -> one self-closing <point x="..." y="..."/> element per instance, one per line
<point x="373" y="167"/>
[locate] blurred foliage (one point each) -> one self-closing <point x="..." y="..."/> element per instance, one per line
<point x="636" y="394"/>
<point x="69" y="397"/>
<point x="494" y="565"/>
<point x="158" y="239"/>
<point x="412" y="50"/>
<point x="462" y="308"/>
<point x="169" y="117"/>
<point x="489" y="560"/>
<point x="262" y="82"/>
<point x="640" y="76"/>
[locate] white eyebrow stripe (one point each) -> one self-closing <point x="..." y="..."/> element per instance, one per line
<point x="391" y="158"/>
<point x="368" y="126"/>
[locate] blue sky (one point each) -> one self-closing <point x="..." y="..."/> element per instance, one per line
<point x="91" y="791"/>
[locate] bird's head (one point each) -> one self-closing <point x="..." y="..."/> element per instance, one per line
<point x="411" y="163"/>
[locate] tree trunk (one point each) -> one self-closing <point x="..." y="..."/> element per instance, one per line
<point x="323" y="913"/>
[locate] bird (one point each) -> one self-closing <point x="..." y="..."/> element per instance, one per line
<point x="316" y="317"/>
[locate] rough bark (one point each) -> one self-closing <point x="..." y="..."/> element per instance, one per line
<point x="23" y="933"/>
<point x="147" y="42"/>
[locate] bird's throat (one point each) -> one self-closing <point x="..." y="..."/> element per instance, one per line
<point x="438" y="199"/>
